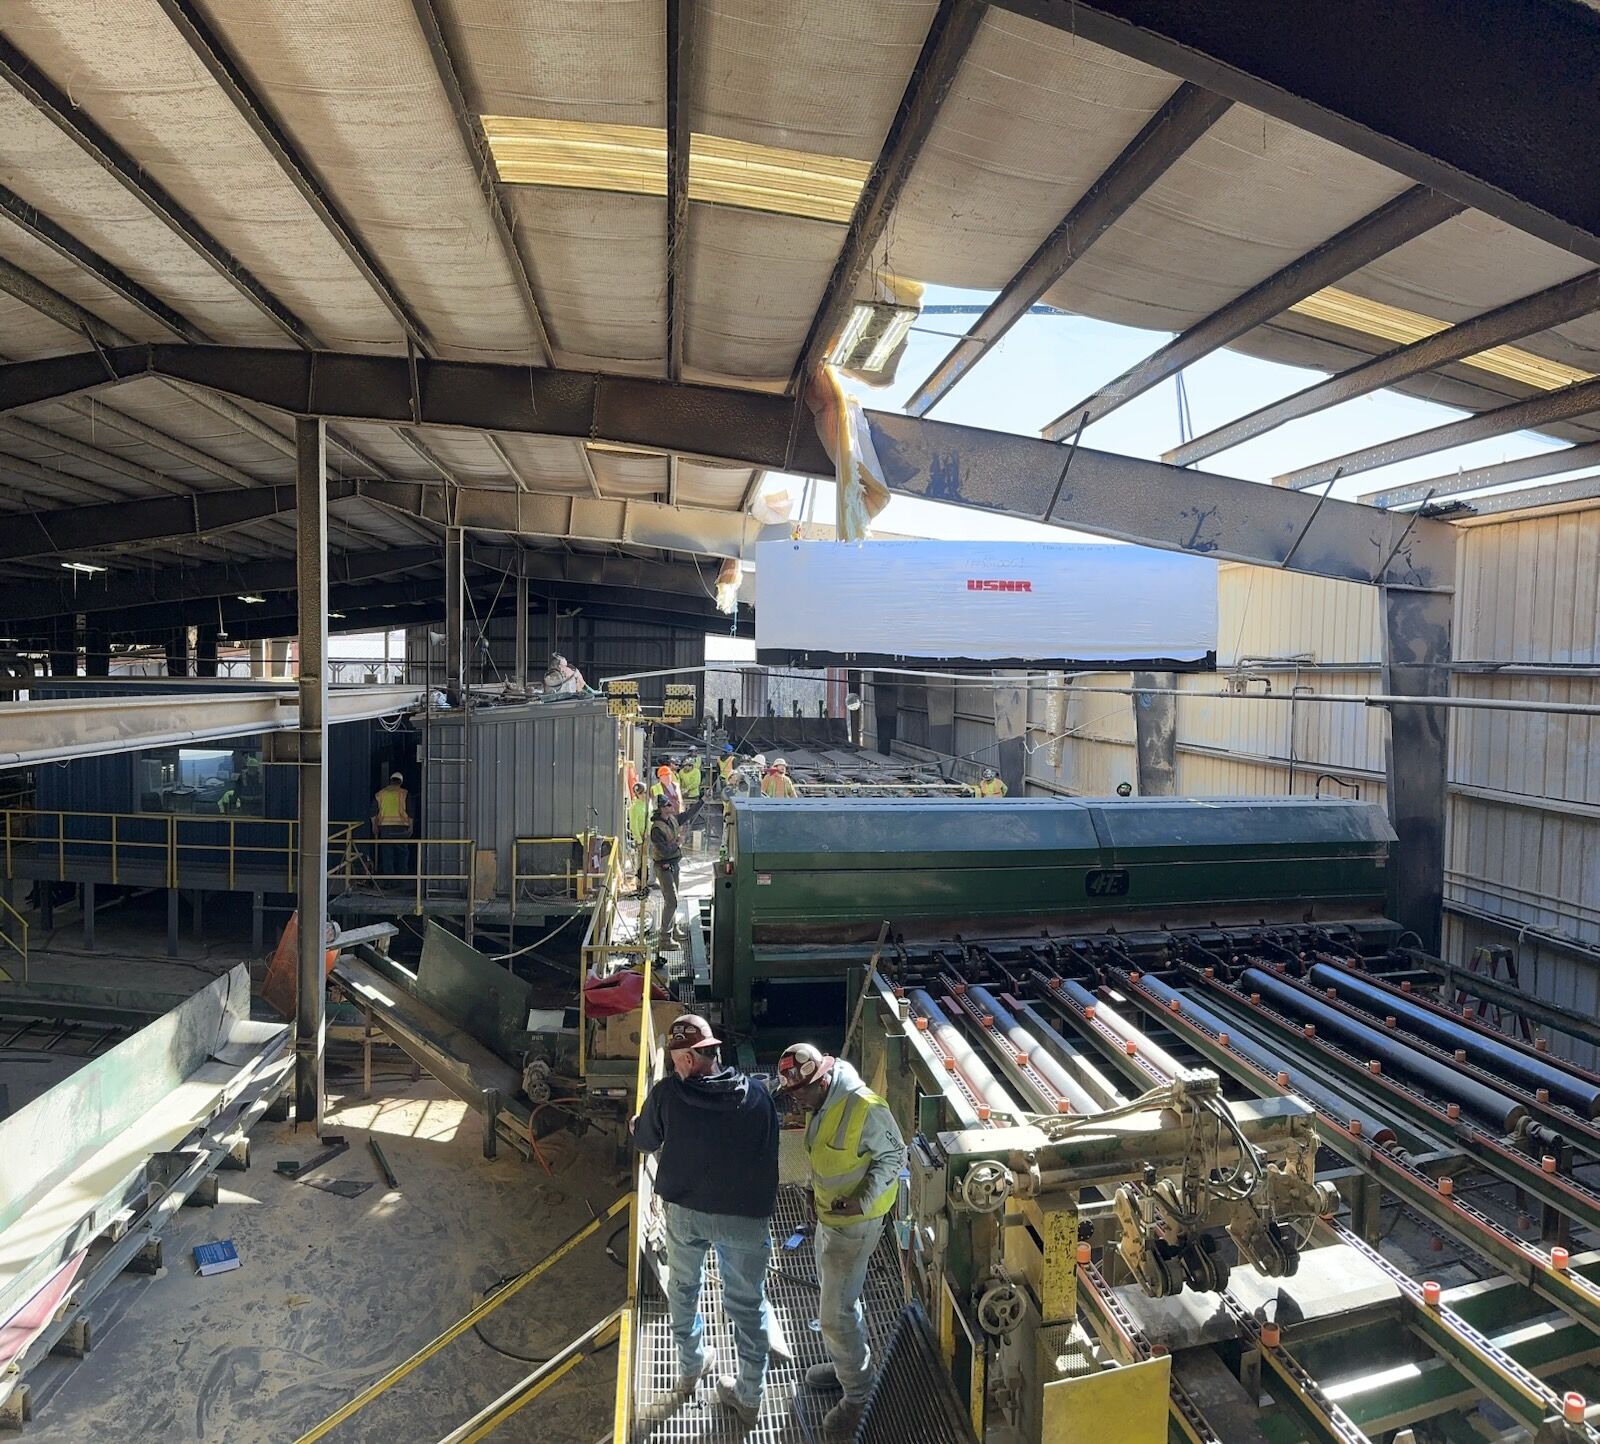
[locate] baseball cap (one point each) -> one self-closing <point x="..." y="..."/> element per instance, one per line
<point x="803" y="1063"/>
<point x="690" y="1030"/>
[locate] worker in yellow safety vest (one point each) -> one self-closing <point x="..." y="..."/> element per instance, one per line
<point x="725" y="766"/>
<point x="638" y="823"/>
<point x="666" y="786"/>
<point x="689" y="786"/>
<point x="392" y="818"/>
<point x="990" y="785"/>
<point x="857" y="1156"/>
<point x="776" y="782"/>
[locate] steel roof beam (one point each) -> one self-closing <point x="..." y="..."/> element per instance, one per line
<point x="148" y="519"/>
<point x="955" y="26"/>
<point x="1392" y="224"/>
<point x="680" y="68"/>
<point x="1578" y="399"/>
<point x="477" y="144"/>
<point x="208" y="48"/>
<point x="1490" y="103"/>
<point x="1516" y="319"/>
<point x="1578" y="490"/>
<point x="1088" y="490"/>
<point x="1186" y="116"/>
<point x="126" y="590"/>
<point x="113" y="278"/>
<point x="34" y="86"/>
<point x="1525" y="468"/>
<point x="35" y="435"/>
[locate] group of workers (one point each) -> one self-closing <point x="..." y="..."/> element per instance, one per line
<point x="715" y="1130"/>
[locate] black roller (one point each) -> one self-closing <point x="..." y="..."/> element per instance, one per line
<point x="1516" y="1067"/>
<point x="1251" y="1051"/>
<point x="1484" y="1105"/>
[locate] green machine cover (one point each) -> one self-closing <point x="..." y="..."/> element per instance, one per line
<point x="806" y="873"/>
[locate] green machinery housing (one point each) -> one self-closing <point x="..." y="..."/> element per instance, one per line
<point x="808" y="883"/>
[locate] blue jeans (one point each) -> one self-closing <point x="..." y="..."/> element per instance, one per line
<point x="843" y="1253"/>
<point x="744" y="1248"/>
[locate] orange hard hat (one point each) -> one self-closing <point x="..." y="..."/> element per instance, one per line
<point x="663" y="771"/>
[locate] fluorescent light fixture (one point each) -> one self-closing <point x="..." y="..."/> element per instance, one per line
<point x="632" y="159"/>
<point x="335" y="616"/>
<point x="872" y="335"/>
<point x="89" y="568"/>
<point x="251" y="597"/>
<point x="1392" y="323"/>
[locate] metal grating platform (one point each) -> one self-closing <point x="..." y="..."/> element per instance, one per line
<point x="790" y="1413"/>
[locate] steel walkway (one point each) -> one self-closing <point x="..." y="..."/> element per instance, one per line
<point x="790" y="1413"/>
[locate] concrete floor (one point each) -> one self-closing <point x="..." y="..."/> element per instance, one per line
<point x="333" y="1292"/>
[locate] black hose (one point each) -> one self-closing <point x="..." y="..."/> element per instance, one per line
<point x="489" y="1343"/>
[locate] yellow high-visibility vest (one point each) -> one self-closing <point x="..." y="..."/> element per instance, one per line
<point x="689" y="780"/>
<point x="837" y="1163"/>
<point x="392" y="807"/>
<point x="638" y="817"/>
<point x="776" y="784"/>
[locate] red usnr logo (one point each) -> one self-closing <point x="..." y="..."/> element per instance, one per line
<point x="977" y="584"/>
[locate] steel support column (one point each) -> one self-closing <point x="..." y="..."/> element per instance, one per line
<point x="454" y="618"/>
<point x="1155" y="732"/>
<point x="311" y="527"/>
<point x="521" y="659"/>
<point x="1416" y="662"/>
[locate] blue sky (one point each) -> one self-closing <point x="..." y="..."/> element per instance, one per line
<point x="1048" y="362"/>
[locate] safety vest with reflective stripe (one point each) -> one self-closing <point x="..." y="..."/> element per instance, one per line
<point x="777" y="784"/>
<point x="837" y="1163"/>
<point x="993" y="787"/>
<point x="392" y="807"/>
<point x="638" y="817"/>
<point x="725" y="767"/>
<point x="689" y="780"/>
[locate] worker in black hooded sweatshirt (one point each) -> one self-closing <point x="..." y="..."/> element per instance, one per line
<point x="717" y="1134"/>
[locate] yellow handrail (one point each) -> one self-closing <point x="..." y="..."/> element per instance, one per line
<point x="622" y="1405"/>
<point x="11" y="919"/>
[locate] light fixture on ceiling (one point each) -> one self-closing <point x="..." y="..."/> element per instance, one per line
<point x="252" y="598"/>
<point x="222" y="626"/>
<point x="875" y="331"/>
<point x="335" y="616"/>
<point x="632" y="159"/>
<point x="88" y="568"/>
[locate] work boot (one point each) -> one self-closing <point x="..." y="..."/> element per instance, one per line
<point x="844" y="1418"/>
<point x="687" y="1382"/>
<point x="726" y="1394"/>
<point x="822" y="1376"/>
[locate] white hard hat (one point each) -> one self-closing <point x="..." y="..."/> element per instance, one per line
<point x="397" y="777"/>
<point x="778" y="762"/>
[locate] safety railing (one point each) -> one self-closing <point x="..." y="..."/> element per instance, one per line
<point x="418" y="867"/>
<point x="14" y="936"/>
<point x="156" y="848"/>
<point x="535" y="873"/>
<point x="628" y="1327"/>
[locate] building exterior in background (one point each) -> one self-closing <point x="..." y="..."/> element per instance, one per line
<point x="1522" y="848"/>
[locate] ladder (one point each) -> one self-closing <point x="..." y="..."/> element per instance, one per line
<point x="447" y="802"/>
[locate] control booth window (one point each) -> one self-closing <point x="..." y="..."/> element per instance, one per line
<point x="209" y="781"/>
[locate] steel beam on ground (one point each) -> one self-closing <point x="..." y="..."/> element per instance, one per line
<point x="1094" y="491"/>
<point x="1516" y="319"/>
<point x="34" y="86"/>
<point x="1392" y="224"/>
<point x="209" y="50"/>
<point x="1186" y="116"/>
<point x="1506" y="127"/>
<point x="311" y="524"/>
<point x="477" y="146"/>
<point x="955" y="26"/>
<point x="1578" y="399"/>
<point x="1546" y="463"/>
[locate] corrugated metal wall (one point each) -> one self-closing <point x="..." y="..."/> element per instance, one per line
<point x="541" y="770"/>
<point x="1523" y="847"/>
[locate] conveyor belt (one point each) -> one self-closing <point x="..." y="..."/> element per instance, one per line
<point x="790" y="1413"/>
